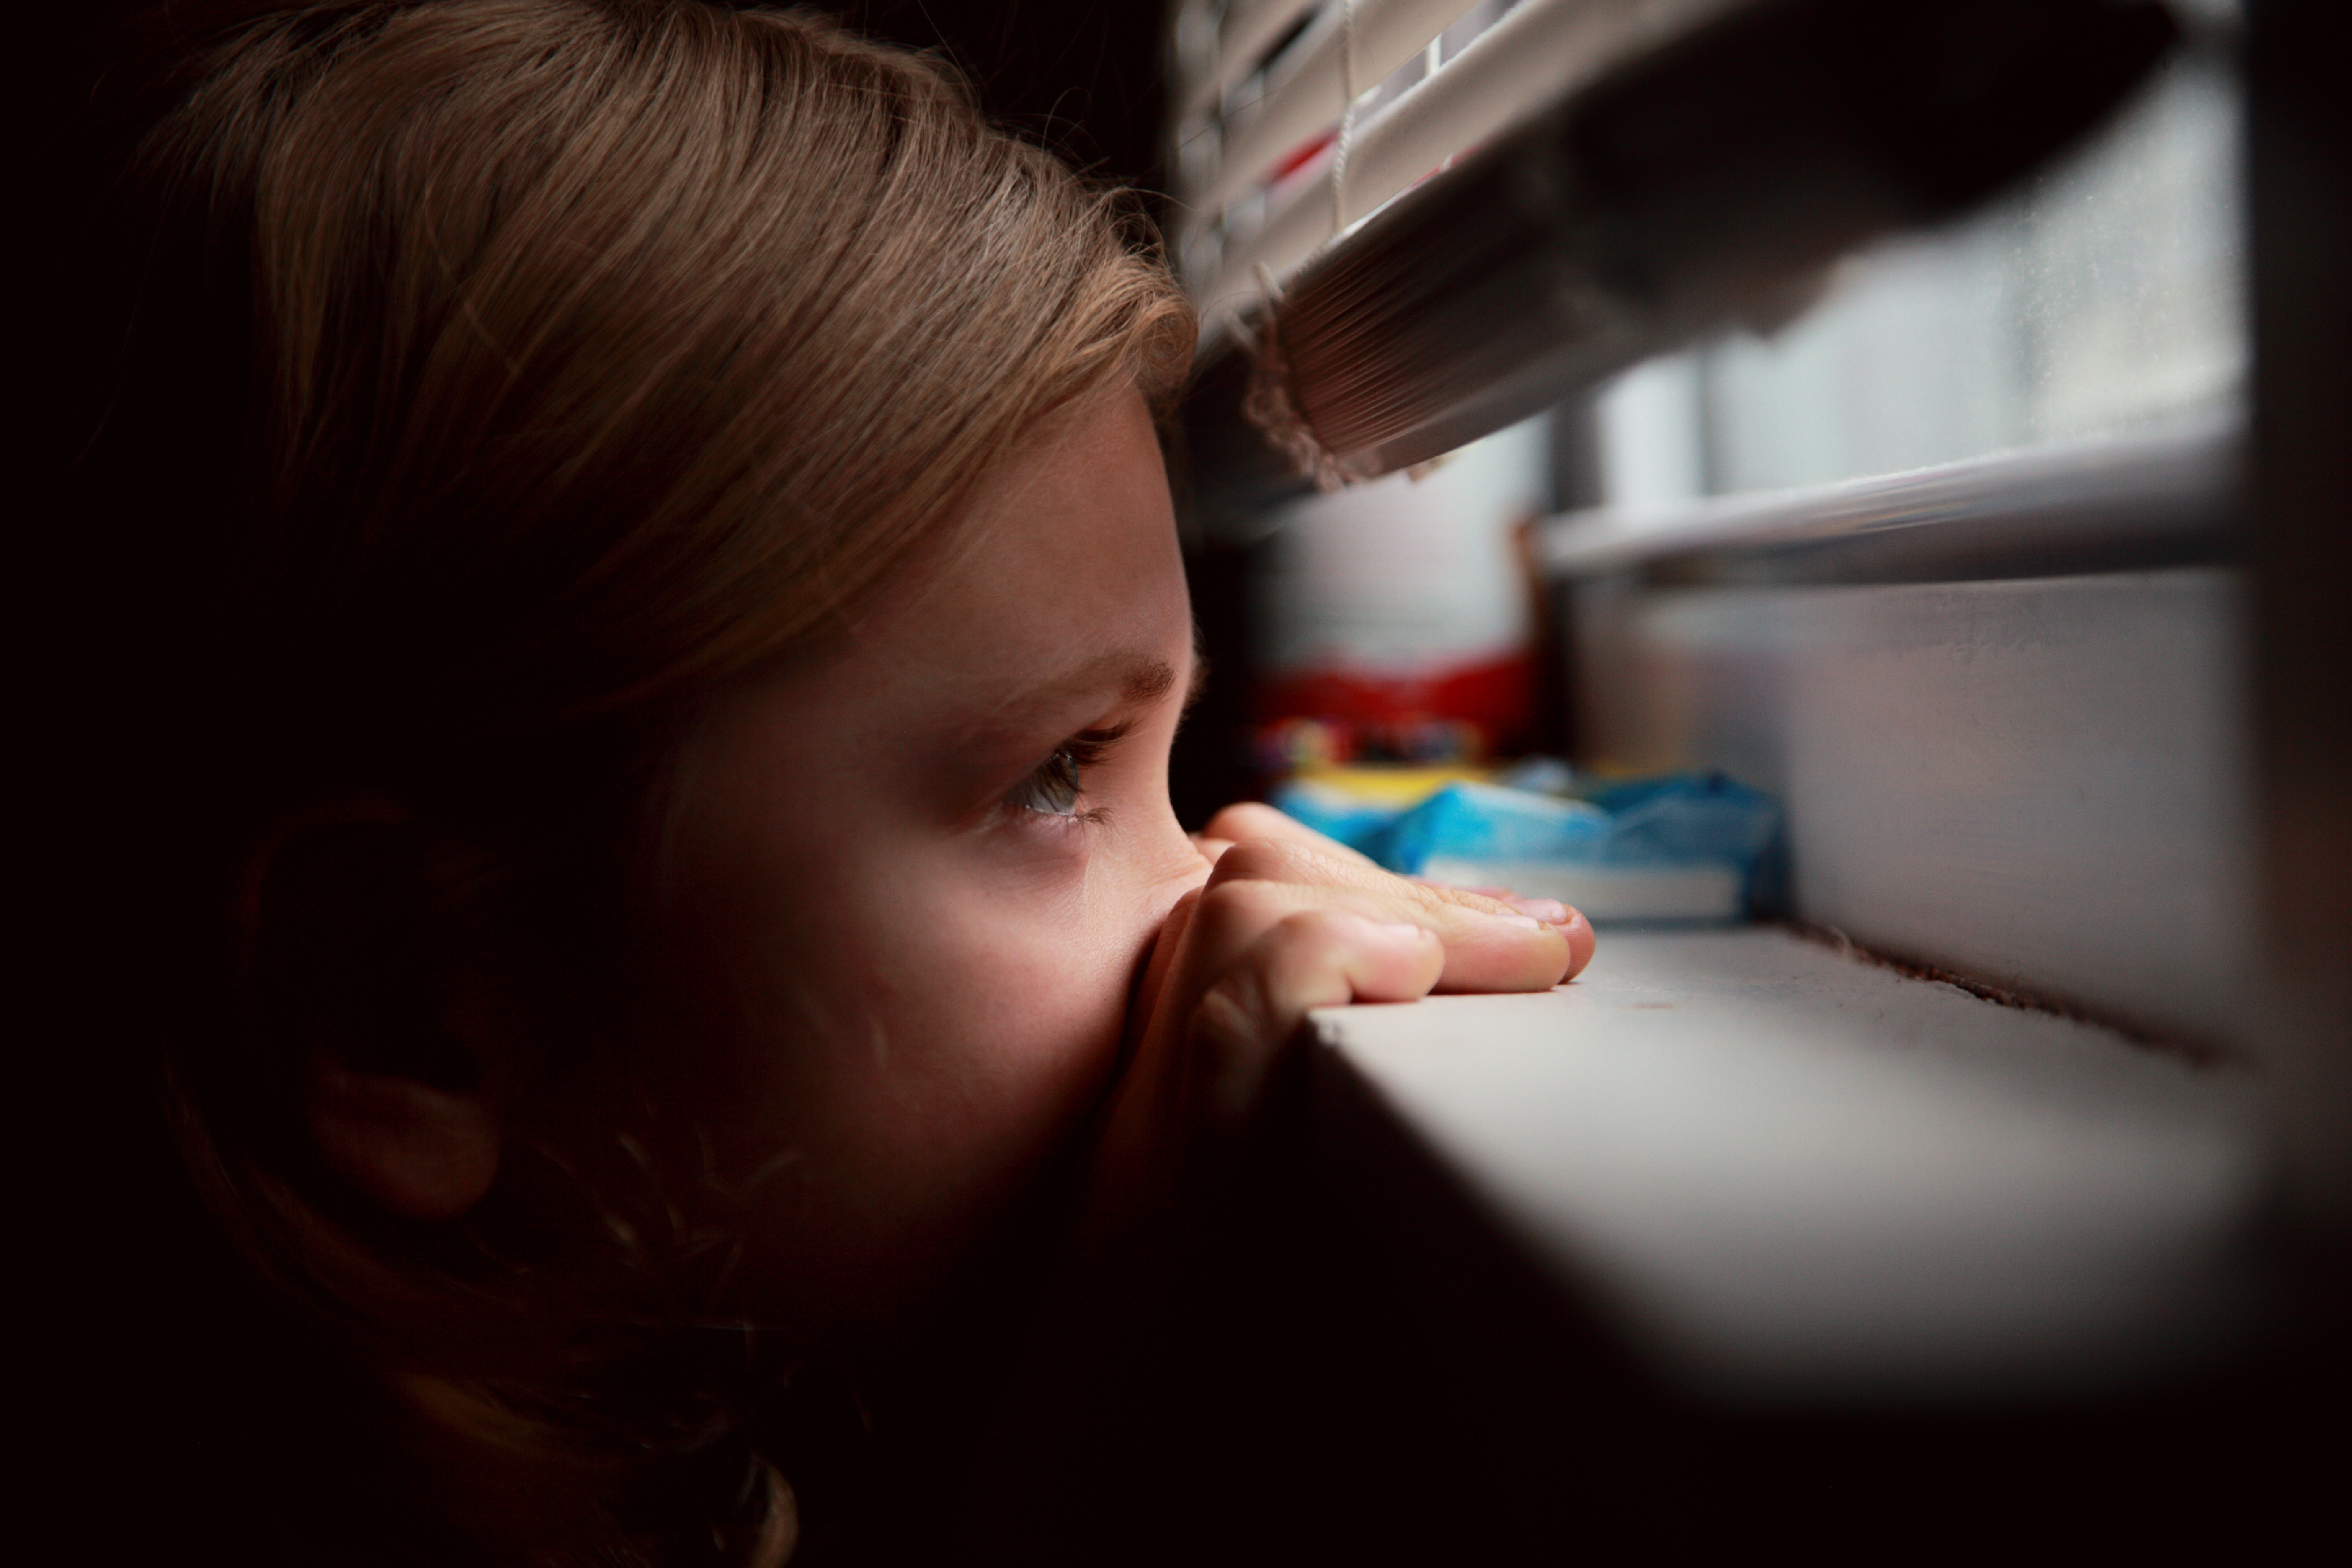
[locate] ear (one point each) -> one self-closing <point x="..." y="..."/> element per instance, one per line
<point x="372" y="982"/>
<point x="419" y="1151"/>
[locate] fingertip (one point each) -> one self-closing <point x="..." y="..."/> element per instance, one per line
<point x="1582" y="942"/>
<point x="1503" y="950"/>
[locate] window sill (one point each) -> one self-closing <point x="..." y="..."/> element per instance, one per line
<point x="1789" y="1177"/>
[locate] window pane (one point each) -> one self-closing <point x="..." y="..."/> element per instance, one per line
<point x="2106" y="294"/>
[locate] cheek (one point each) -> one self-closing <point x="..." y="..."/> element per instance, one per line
<point x="997" y="1039"/>
<point x="922" y="1053"/>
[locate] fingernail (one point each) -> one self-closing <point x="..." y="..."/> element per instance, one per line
<point x="1551" y="912"/>
<point x="1528" y="922"/>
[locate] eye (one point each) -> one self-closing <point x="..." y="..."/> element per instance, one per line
<point x="1053" y="787"/>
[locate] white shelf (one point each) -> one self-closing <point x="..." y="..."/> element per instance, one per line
<point x="1787" y="1175"/>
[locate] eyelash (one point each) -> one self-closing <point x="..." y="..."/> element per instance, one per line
<point x="1056" y="785"/>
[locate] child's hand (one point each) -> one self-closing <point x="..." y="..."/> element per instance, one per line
<point x="1289" y="921"/>
<point x="1154" y="1295"/>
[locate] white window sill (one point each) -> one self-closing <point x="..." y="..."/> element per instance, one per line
<point x="1784" y="1174"/>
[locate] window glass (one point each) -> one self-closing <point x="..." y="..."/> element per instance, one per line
<point x="2105" y="295"/>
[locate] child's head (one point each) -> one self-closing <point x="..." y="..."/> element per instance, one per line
<point x="646" y="628"/>
<point x="678" y="632"/>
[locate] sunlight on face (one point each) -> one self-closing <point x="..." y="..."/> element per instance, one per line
<point x="909" y="884"/>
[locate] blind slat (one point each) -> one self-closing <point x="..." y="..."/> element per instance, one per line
<point x="1312" y="93"/>
<point x="1535" y="55"/>
<point x="1539" y="52"/>
<point x="1249" y="28"/>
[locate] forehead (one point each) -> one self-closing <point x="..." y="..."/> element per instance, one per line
<point x="1063" y="579"/>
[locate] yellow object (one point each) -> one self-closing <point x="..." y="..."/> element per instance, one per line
<point x="1397" y="784"/>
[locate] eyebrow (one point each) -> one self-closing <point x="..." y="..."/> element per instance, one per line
<point x="1138" y="678"/>
<point x="1147" y="681"/>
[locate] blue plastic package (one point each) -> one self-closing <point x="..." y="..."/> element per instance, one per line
<point x="1686" y="816"/>
<point x="1679" y="847"/>
<point x="1487" y="822"/>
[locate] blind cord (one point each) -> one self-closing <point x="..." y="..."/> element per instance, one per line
<point x="1346" y="117"/>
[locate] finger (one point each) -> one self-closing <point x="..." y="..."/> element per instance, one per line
<point x="1211" y="849"/>
<point x="1314" y="958"/>
<point x="1551" y="912"/>
<point x="1250" y="820"/>
<point x="1488" y="946"/>
<point x="1287" y="860"/>
<point x="1310" y="864"/>
<point x="1581" y="941"/>
<point x="1165" y="947"/>
<point x="1482" y="889"/>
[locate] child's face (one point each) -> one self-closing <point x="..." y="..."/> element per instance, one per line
<point x="902" y="942"/>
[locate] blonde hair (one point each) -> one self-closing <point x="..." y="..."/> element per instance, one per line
<point x="532" y="362"/>
<point x="680" y="327"/>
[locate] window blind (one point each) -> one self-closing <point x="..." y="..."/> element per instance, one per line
<point x="1304" y="94"/>
<point x="1562" y="187"/>
<point x="1279" y="149"/>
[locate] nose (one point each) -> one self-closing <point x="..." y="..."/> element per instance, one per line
<point x="1180" y="862"/>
